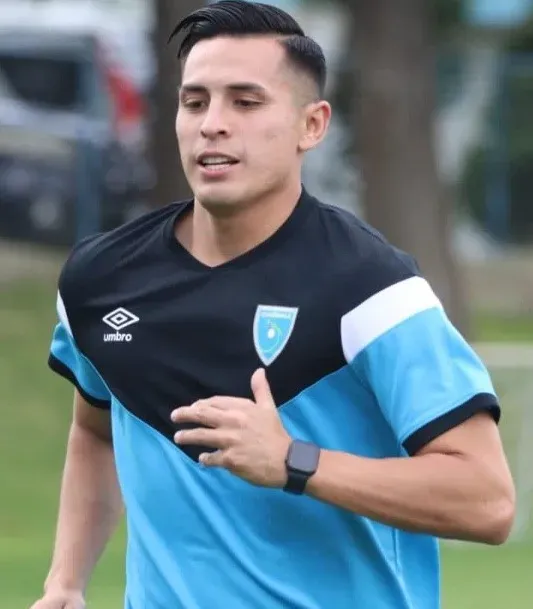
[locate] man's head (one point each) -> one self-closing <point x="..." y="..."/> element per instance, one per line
<point x="251" y="94"/>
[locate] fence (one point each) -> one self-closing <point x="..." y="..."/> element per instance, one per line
<point x="511" y="366"/>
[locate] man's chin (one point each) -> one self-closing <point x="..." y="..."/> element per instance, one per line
<point x="219" y="199"/>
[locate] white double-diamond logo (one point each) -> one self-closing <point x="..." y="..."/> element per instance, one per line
<point x="118" y="320"/>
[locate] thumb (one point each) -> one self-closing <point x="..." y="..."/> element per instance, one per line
<point x="261" y="388"/>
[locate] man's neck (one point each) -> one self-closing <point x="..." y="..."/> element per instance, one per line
<point x="216" y="239"/>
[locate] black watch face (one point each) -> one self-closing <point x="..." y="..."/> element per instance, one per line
<point x="303" y="457"/>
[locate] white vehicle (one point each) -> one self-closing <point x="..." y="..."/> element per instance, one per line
<point x="73" y="120"/>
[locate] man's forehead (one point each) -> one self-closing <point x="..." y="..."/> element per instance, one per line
<point x="254" y="59"/>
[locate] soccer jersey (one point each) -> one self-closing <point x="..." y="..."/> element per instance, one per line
<point x="360" y="357"/>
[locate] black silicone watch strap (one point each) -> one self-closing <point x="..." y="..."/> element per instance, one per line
<point x="296" y="482"/>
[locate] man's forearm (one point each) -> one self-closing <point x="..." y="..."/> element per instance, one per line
<point x="438" y="494"/>
<point x="90" y="508"/>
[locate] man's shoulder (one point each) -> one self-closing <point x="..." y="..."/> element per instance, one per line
<point x="355" y="231"/>
<point x="97" y="257"/>
<point x="366" y="262"/>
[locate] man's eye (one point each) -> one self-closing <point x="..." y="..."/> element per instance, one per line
<point x="192" y="104"/>
<point x="247" y="103"/>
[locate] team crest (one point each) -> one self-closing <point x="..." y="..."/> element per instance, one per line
<point x="273" y="327"/>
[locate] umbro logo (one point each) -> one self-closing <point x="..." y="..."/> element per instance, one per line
<point x="118" y="320"/>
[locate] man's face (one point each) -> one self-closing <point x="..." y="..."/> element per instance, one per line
<point x="239" y="125"/>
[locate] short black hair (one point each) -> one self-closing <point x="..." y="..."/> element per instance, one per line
<point x="242" y="18"/>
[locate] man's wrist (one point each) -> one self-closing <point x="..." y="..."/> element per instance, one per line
<point x="55" y="584"/>
<point x="301" y="464"/>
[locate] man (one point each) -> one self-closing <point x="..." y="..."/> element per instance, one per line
<point x="294" y="419"/>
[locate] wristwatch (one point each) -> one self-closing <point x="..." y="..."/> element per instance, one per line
<point x="301" y="463"/>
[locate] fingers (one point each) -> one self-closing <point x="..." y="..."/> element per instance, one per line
<point x="200" y="413"/>
<point x="229" y="403"/>
<point x="213" y="438"/>
<point x="214" y="459"/>
<point x="261" y="388"/>
<point x="225" y="458"/>
<point x="58" y="603"/>
<point x="210" y="412"/>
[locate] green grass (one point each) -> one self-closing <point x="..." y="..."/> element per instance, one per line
<point x="496" y="328"/>
<point x="35" y="406"/>
<point x="36" y="409"/>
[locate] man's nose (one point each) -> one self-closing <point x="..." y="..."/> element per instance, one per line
<point x="215" y="122"/>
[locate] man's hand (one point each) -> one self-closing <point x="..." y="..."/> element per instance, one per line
<point x="60" y="600"/>
<point x="250" y="439"/>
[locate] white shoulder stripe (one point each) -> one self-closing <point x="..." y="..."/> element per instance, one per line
<point x="62" y="314"/>
<point x="383" y="311"/>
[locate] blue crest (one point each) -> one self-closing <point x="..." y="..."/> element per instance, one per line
<point x="273" y="327"/>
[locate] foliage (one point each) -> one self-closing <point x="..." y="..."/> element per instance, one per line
<point x="447" y="14"/>
<point x="511" y="132"/>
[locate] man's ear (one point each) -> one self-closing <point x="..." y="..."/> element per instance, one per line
<point x="315" y="125"/>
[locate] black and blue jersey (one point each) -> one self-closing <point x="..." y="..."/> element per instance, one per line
<point x="360" y="357"/>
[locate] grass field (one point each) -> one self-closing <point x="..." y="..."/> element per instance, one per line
<point x="35" y="406"/>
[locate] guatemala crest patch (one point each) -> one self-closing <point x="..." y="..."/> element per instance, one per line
<point x="273" y="327"/>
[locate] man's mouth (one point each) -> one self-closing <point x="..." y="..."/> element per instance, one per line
<point x="216" y="161"/>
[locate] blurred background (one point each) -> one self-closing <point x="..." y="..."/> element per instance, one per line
<point x="431" y="142"/>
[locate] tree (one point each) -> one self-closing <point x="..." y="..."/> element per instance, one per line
<point x="395" y="46"/>
<point x="170" y="184"/>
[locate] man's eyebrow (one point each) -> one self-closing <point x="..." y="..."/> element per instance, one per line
<point x="192" y="89"/>
<point x="237" y="87"/>
<point x="247" y="87"/>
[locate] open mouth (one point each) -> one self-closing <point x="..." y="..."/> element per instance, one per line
<point x="217" y="163"/>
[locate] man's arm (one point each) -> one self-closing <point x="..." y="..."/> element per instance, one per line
<point x="439" y="401"/>
<point x="90" y="502"/>
<point x="458" y="486"/>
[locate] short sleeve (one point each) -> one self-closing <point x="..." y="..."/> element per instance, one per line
<point x="425" y="376"/>
<point x="66" y="359"/>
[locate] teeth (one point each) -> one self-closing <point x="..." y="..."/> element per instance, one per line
<point x="217" y="160"/>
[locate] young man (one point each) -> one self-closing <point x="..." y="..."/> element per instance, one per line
<point x="322" y="483"/>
